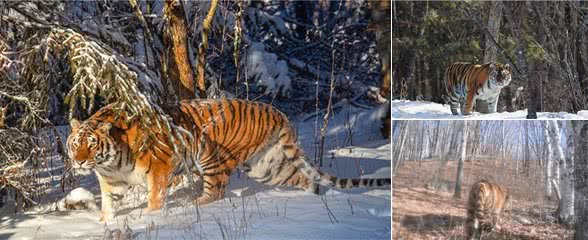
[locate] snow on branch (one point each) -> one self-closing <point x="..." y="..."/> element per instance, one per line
<point x="98" y="72"/>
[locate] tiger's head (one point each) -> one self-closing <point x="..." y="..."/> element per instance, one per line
<point x="500" y="74"/>
<point x="90" y="144"/>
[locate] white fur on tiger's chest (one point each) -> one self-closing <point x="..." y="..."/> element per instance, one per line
<point x="489" y="91"/>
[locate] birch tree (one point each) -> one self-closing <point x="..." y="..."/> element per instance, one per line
<point x="566" y="182"/>
<point x="548" y="160"/>
<point x="399" y="143"/>
<point x="462" y="157"/>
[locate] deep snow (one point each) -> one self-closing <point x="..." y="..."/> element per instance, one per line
<point x="404" y="109"/>
<point x="250" y="210"/>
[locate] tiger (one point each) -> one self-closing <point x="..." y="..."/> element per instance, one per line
<point x="228" y="134"/>
<point x="485" y="204"/>
<point x="466" y="82"/>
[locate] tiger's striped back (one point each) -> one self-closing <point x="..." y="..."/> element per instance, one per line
<point x="257" y="138"/>
<point x="485" y="204"/>
<point x="465" y="83"/>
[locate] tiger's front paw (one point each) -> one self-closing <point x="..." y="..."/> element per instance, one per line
<point x="106" y="216"/>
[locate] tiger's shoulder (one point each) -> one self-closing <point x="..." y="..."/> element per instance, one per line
<point x="489" y="192"/>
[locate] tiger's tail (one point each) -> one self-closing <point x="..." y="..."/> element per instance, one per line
<point x="324" y="179"/>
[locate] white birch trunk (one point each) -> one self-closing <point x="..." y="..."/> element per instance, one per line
<point x="462" y="157"/>
<point x="548" y="161"/>
<point x="566" y="184"/>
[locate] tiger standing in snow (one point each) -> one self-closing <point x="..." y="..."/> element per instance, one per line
<point x="229" y="134"/>
<point x="466" y="82"/>
<point x="485" y="204"/>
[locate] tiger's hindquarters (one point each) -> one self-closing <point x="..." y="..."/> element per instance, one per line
<point x="284" y="163"/>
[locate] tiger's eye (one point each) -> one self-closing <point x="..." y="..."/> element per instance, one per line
<point x="91" y="142"/>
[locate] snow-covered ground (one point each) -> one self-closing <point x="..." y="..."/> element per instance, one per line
<point x="250" y="210"/>
<point x="404" y="109"/>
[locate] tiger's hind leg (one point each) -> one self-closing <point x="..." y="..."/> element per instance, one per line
<point x="277" y="166"/>
<point x="294" y="160"/>
<point x="214" y="184"/>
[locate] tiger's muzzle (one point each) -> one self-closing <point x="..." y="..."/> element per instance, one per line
<point x="83" y="164"/>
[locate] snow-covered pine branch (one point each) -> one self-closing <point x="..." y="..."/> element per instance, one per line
<point x="97" y="71"/>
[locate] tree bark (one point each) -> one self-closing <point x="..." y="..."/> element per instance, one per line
<point x="518" y="16"/>
<point x="411" y="80"/>
<point x="380" y="20"/>
<point x="548" y="160"/>
<point x="494" y="20"/>
<point x="566" y="181"/>
<point x="462" y="157"/>
<point x="206" y="25"/>
<point x="540" y="66"/>
<point x="490" y="49"/>
<point x="179" y="71"/>
<point x="404" y="128"/>
<point x="581" y="183"/>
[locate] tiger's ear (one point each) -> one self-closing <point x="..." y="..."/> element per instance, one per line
<point x="74" y="123"/>
<point x="492" y="66"/>
<point x="507" y="67"/>
<point x="105" y="127"/>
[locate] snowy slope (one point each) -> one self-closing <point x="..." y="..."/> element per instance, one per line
<point x="250" y="210"/>
<point x="404" y="109"/>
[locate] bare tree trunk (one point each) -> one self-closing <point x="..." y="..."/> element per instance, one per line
<point x="566" y="167"/>
<point x="435" y="139"/>
<point x="380" y="19"/>
<point x="526" y="160"/>
<point x="581" y="183"/>
<point x="548" y="160"/>
<point x="541" y="67"/>
<point x="411" y="75"/>
<point x="518" y="16"/>
<point x="180" y="72"/>
<point x="490" y="49"/>
<point x="206" y="25"/>
<point x="494" y="20"/>
<point x="400" y="142"/>
<point x="464" y="142"/>
<point x="580" y="36"/>
<point x="503" y="144"/>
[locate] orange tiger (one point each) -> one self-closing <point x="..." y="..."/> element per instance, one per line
<point x="485" y="204"/>
<point x="465" y="83"/>
<point x="228" y="134"/>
